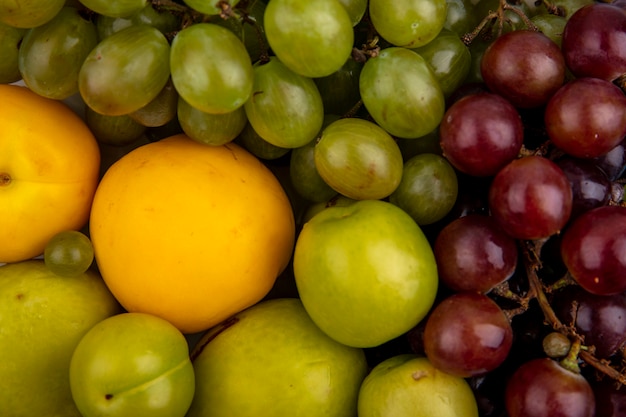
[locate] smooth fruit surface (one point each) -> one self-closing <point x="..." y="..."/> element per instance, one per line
<point x="342" y="270"/>
<point x="189" y="250"/>
<point x="272" y="360"/>
<point x="43" y="316"/>
<point x="49" y="164"/>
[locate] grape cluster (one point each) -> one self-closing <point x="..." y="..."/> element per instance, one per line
<point x="498" y="126"/>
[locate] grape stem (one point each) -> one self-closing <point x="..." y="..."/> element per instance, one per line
<point x="499" y="18"/>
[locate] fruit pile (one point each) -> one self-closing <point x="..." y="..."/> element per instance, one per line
<point x="312" y="208"/>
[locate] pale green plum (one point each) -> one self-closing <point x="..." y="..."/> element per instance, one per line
<point x="43" y="316"/>
<point x="365" y="272"/>
<point x="410" y="386"/>
<point x="132" y="365"/>
<point x="272" y="361"/>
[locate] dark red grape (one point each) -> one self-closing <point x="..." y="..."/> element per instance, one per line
<point x="467" y="334"/>
<point x="594" y="42"/>
<point x="593" y="248"/>
<point x="591" y="187"/>
<point x="586" y="117"/>
<point x="600" y="319"/>
<point x="531" y="198"/>
<point x="543" y="388"/>
<point x="525" y="67"/>
<point x="613" y="162"/>
<point x="481" y="133"/>
<point x="610" y="398"/>
<point x="474" y="254"/>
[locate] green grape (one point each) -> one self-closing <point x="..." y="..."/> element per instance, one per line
<point x="312" y="38"/>
<point x="164" y="21"/>
<point x="428" y="189"/>
<point x="69" y="253"/>
<point x="113" y="130"/>
<point x="340" y="90"/>
<point x="429" y="143"/>
<point x="461" y="17"/>
<point x="210" y="7"/>
<point x="63" y="42"/>
<point x="160" y="110"/>
<point x="358" y="159"/>
<point x="401" y="93"/>
<point x="9" y="49"/>
<point x="569" y="7"/>
<point x="115" y="8"/>
<point x="356" y="9"/>
<point x="477" y="49"/>
<point x="408" y="23"/>
<point x="258" y="146"/>
<point x="210" y="128"/>
<point x="28" y="14"/>
<point x="211" y="68"/>
<point x="251" y="30"/>
<point x="449" y="58"/>
<point x="303" y="173"/>
<point x="125" y="71"/>
<point x="550" y="25"/>
<point x="286" y="108"/>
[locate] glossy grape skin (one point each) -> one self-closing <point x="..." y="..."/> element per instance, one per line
<point x="358" y="159"/>
<point x="285" y="108"/>
<point x="9" y="50"/>
<point x="161" y="110"/>
<point x="113" y="130"/>
<point x="210" y="7"/>
<point x="613" y="162"/>
<point x="27" y="14"/>
<point x="481" y="133"/>
<point x="117" y="8"/>
<point x="164" y="21"/>
<point x="523" y="66"/>
<point x="211" y="68"/>
<point x="125" y="71"/>
<point x="586" y="117"/>
<point x="531" y="198"/>
<point x="610" y="398"/>
<point x="550" y="25"/>
<point x="210" y="128"/>
<point x="355" y="8"/>
<point x="340" y="90"/>
<point x="428" y="188"/>
<point x="312" y="38"/>
<point x="591" y="187"/>
<point x="258" y="146"/>
<point x="449" y="58"/>
<point x="63" y="42"/>
<point x="594" y="42"/>
<point x="474" y="254"/>
<point x="543" y="388"/>
<point x="401" y="93"/>
<point x="593" y="248"/>
<point x="251" y="30"/>
<point x="408" y="23"/>
<point x="69" y="253"/>
<point x="467" y="334"/>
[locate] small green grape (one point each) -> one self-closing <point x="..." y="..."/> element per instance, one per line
<point x="69" y="253"/>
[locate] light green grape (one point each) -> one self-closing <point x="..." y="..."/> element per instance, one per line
<point x="115" y="8"/>
<point x="28" y="14"/>
<point x="210" y="7"/>
<point x="210" y="128"/>
<point x="69" y="253"/>
<point x="161" y="110"/>
<point x="165" y="21"/>
<point x="9" y="49"/>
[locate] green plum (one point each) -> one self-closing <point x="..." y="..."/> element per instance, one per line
<point x="407" y="385"/>
<point x="365" y="272"/>
<point x="272" y="360"/>
<point x="132" y="364"/>
<point x="43" y="316"/>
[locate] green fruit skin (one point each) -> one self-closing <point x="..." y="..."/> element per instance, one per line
<point x="117" y="8"/>
<point x="249" y="33"/>
<point x="285" y="108"/>
<point x="164" y="21"/>
<point x="9" y="51"/>
<point x="401" y="93"/>
<point x="132" y="364"/>
<point x="26" y="14"/>
<point x="428" y="189"/>
<point x="161" y="110"/>
<point x="64" y="42"/>
<point x="356" y="9"/>
<point x="340" y="90"/>
<point x="125" y="71"/>
<point x="410" y="386"/>
<point x="209" y="7"/>
<point x="69" y="253"/>
<point x="113" y="130"/>
<point x="257" y="146"/>
<point x="408" y="23"/>
<point x="271" y="360"/>
<point x="211" y="68"/>
<point x="43" y="317"/>
<point x="312" y="38"/>
<point x="210" y="128"/>
<point x="365" y="272"/>
<point x="358" y="159"/>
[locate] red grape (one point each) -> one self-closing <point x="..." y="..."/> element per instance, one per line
<point x="480" y="133"/>
<point x="523" y="66"/>
<point x="593" y="248"/>
<point x="543" y="388"/>
<point x="531" y="198"/>
<point x="467" y="334"/>
<point x="591" y="187"/>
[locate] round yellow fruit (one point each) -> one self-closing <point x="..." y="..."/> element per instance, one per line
<point x="49" y="168"/>
<point x="189" y="232"/>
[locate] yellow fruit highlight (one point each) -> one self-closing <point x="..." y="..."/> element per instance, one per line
<point x="49" y="168"/>
<point x="189" y="232"/>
